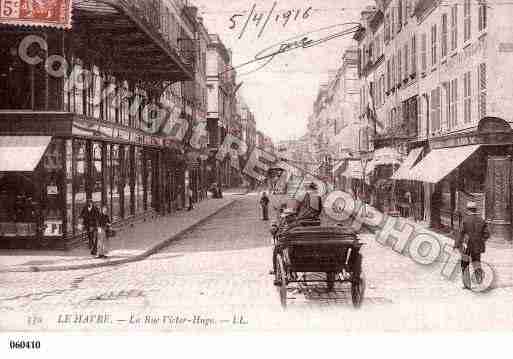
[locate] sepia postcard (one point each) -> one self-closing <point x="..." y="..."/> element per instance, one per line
<point x="194" y="166"/>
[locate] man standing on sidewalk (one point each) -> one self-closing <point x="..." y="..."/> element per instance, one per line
<point x="471" y="244"/>
<point x="264" y="202"/>
<point x="89" y="217"/>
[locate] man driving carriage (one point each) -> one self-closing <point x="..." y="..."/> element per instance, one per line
<point x="305" y="212"/>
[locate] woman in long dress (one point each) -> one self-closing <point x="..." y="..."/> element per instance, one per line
<point x="103" y="226"/>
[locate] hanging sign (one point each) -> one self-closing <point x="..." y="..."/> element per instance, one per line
<point x="53" y="13"/>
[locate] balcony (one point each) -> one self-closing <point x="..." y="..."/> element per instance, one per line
<point x="127" y="37"/>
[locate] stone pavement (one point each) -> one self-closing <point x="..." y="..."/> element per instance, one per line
<point x="498" y="255"/>
<point x="131" y="243"/>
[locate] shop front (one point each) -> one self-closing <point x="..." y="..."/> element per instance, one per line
<point x="474" y="166"/>
<point x="45" y="189"/>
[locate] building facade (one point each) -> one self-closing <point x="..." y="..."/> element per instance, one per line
<point x="445" y="96"/>
<point x="82" y="107"/>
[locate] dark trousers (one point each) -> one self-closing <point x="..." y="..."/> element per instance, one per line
<point x="92" y="239"/>
<point x="265" y="213"/>
<point x="190" y="204"/>
<point x="466" y="258"/>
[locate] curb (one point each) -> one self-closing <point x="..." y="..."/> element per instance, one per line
<point x="147" y="253"/>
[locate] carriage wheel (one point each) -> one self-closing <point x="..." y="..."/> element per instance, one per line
<point x="282" y="278"/>
<point x="330" y="280"/>
<point x="358" y="291"/>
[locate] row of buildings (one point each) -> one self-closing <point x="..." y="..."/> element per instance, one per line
<point x="427" y="111"/>
<point x="124" y="103"/>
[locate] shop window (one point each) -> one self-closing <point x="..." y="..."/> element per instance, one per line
<point x="97" y="175"/>
<point x="52" y="180"/>
<point x="69" y="187"/>
<point x="80" y="171"/>
<point x="126" y="181"/>
<point x="17" y="213"/>
<point x="116" y="188"/>
<point x="139" y="173"/>
<point x="107" y="177"/>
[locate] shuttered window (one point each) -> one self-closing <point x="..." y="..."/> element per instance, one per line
<point x="467" y="101"/>
<point x="423" y="52"/>
<point x="454" y="27"/>
<point x="482" y="90"/>
<point x="454" y="103"/>
<point x="444" y="35"/>
<point x="413" y="54"/>
<point x="466" y="20"/>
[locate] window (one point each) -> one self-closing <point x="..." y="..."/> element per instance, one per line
<point x="382" y="89"/>
<point x="399" y="68"/>
<point x="433" y="45"/>
<point x="454" y="103"/>
<point x="406" y="60"/>
<point x="466" y="20"/>
<point x="413" y="54"/>
<point x="454" y="27"/>
<point x="467" y="115"/>
<point x="447" y="112"/>
<point x="399" y="15"/>
<point x="388" y="75"/>
<point x="481" y="72"/>
<point x="435" y="109"/>
<point x="392" y="77"/>
<point x="482" y="15"/>
<point x="392" y="26"/>
<point x="387" y="27"/>
<point x="423" y="52"/>
<point x="444" y="35"/>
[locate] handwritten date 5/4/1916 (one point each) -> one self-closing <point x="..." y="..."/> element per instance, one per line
<point x="256" y="17"/>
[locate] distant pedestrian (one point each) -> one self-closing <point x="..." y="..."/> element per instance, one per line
<point x="104" y="224"/>
<point x="264" y="203"/>
<point x="471" y="243"/>
<point x="89" y="217"/>
<point x="189" y="197"/>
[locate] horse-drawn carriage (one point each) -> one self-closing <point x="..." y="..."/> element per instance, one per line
<point x="303" y="247"/>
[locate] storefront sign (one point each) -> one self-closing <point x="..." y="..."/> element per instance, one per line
<point x="53" y="229"/>
<point x="52" y="190"/>
<point x="53" y="13"/>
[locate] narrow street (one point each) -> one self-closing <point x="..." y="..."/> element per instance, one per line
<point x="217" y="274"/>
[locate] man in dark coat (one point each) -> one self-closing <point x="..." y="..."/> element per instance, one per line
<point x="471" y="244"/>
<point x="89" y="217"/>
<point x="264" y="203"/>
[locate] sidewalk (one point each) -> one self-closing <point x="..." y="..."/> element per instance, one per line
<point x="498" y="255"/>
<point x="132" y="242"/>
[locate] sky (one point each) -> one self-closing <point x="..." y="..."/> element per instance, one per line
<point x="281" y="94"/>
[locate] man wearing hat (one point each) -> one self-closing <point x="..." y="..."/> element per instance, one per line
<point x="471" y="243"/>
<point x="311" y="205"/>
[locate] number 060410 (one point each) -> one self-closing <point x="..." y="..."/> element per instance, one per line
<point x="24" y="344"/>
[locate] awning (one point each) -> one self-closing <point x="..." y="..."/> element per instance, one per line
<point x="338" y="167"/>
<point x="353" y="170"/>
<point x="22" y="153"/>
<point x="402" y="172"/>
<point x="386" y="156"/>
<point x="439" y="163"/>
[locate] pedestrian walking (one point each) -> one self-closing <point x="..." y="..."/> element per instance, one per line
<point x="264" y="203"/>
<point x="189" y="197"/>
<point x="471" y="244"/>
<point x="89" y="217"/>
<point x="104" y="224"/>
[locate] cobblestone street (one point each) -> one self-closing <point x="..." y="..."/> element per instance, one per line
<point x="216" y="277"/>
